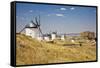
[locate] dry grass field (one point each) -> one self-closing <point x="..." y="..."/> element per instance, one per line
<point x="32" y="51"/>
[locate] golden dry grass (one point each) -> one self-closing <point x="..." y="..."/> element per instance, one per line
<point x="31" y="51"/>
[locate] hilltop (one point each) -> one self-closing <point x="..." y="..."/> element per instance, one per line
<point x="32" y="51"/>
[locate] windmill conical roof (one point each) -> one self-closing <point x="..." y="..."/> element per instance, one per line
<point x="31" y="25"/>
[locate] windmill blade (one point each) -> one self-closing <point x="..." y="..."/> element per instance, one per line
<point x="33" y="23"/>
<point x="22" y="30"/>
<point x="39" y="19"/>
<point x="40" y="31"/>
<point x="36" y="21"/>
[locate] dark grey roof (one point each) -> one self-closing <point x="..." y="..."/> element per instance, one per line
<point x="31" y="25"/>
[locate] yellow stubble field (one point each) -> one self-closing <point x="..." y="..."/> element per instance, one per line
<point x="32" y="51"/>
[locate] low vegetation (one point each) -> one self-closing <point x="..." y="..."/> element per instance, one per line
<point x="32" y="51"/>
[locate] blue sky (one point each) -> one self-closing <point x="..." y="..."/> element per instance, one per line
<point x="63" y="19"/>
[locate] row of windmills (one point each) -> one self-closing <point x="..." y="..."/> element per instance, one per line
<point x="33" y="29"/>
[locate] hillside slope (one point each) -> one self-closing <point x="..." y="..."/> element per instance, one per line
<point x="31" y="51"/>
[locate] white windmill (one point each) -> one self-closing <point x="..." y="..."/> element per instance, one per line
<point x="63" y="37"/>
<point x="53" y="35"/>
<point x="32" y="29"/>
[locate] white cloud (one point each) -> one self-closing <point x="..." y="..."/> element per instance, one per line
<point x="60" y="15"/>
<point x="48" y="15"/>
<point x="30" y="11"/>
<point x="72" y="8"/>
<point x="62" y="8"/>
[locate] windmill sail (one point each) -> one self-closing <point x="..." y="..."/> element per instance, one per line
<point x="33" y="23"/>
<point x="36" y="25"/>
<point x="39" y="26"/>
<point x="39" y="19"/>
<point x="36" y="21"/>
<point x="40" y="31"/>
<point x="22" y="29"/>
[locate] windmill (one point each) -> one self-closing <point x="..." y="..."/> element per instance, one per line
<point x="33" y="28"/>
<point x="53" y="35"/>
